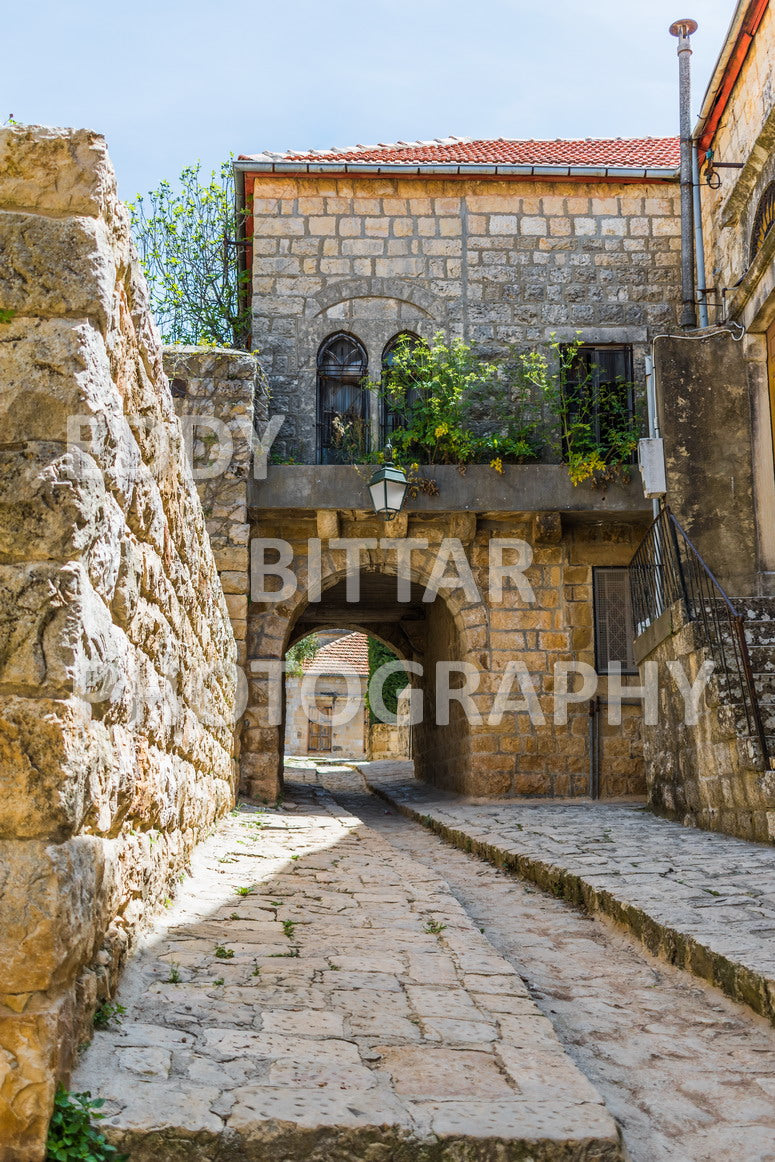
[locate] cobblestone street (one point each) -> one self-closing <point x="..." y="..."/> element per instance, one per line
<point x="319" y="994"/>
<point x="337" y="983"/>
<point x="698" y="899"/>
<point x="687" y="1073"/>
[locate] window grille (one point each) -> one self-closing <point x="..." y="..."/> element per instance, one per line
<point x="391" y="417"/>
<point x="343" y="400"/>
<point x="614" y="629"/>
<point x="599" y="384"/>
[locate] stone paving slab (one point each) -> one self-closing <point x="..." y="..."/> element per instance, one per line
<point x="341" y="1006"/>
<point x="698" y="899"/>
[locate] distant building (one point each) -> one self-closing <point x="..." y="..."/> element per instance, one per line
<point x="311" y="721"/>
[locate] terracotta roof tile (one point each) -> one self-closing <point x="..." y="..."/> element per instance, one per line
<point x="351" y="650"/>
<point x="635" y="153"/>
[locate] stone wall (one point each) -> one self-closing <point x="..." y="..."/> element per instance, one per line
<point x="746" y="134"/>
<point x="706" y="416"/>
<point x="221" y="398"/>
<point x="709" y="775"/>
<point x="514" y="756"/>
<point x="117" y="659"/>
<point x="744" y="283"/>
<point x="498" y="262"/>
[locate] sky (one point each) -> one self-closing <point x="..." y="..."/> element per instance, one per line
<point x="171" y="82"/>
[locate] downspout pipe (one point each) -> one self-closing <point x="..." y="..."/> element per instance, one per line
<point x="699" y="246"/>
<point x="683" y="29"/>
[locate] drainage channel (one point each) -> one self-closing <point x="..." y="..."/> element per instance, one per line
<point x="688" y="1074"/>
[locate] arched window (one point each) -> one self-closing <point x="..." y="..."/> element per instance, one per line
<point x="343" y="401"/>
<point x="393" y="418"/>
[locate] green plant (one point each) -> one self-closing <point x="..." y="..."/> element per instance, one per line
<point x="380" y="655"/>
<point x="276" y="903"/>
<point x="219" y="981"/>
<point x="106" y="1014"/>
<point x="303" y="651"/>
<point x="71" y="1135"/>
<point x="449" y="406"/>
<point x="187" y="236"/>
<point x="288" y="928"/>
<point x="434" y="928"/>
<point x="174" y="976"/>
<point x="224" y="953"/>
<point x="244" y="891"/>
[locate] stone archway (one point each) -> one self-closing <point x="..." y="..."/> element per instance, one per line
<point x="447" y="630"/>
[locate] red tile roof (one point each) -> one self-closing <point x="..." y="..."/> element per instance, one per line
<point x="352" y="651"/>
<point x="635" y="153"/>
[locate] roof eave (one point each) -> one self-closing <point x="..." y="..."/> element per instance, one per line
<point x="387" y="169"/>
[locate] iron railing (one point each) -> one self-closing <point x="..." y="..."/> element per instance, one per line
<point x="667" y="568"/>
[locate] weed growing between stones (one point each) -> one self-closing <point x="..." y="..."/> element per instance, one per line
<point x="71" y="1135"/>
<point x="244" y="891"/>
<point x="434" y="928"/>
<point x="288" y="928"/>
<point x="107" y="1014"/>
<point x="224" y="953"/>
<point x="174" y="976"/>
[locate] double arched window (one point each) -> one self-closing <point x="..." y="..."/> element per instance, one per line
<point x="343" y="399"/>
<point x="393" y="418"/>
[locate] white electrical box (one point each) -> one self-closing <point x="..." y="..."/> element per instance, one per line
<point x="651" y="461"/>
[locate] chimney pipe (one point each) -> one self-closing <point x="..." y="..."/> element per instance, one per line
<point x="683" y="29"/>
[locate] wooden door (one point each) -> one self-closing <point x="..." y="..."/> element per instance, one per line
<point x="319" y="737"/>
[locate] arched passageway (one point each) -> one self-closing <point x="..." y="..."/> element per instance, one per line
<point x="421" y="633"/>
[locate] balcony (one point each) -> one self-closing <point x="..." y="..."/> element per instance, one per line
<point x="520" y="488"/>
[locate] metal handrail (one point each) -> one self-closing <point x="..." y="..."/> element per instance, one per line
<point x="666" y="568"/>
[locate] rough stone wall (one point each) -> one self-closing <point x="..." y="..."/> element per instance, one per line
<point x="706" y="417"/>
<point x="117" y="660"/>
<point x="497" y="262"/>
<point x="746" y="134"/>
<point x="221" y="398"/>
<point x="514" y="757"/>
<point x="706" y="775"/>
<point x="388" y="740"/>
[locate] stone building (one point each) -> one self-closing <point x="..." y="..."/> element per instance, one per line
<point x="503" y="243"/>
<point x="320" y="701"/>
<point x="716" y="390"/>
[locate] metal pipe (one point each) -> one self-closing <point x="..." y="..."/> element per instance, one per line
<point x="653" y="416"/>
<point x="699" y="247"/>
<point x="594" y="765"/>
<point x="683" y="29"/>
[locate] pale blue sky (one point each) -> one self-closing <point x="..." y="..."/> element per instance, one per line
<point x="172" y="81"/>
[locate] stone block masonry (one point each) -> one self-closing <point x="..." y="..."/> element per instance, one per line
<point x="117" y="657"/>
<point x="498" y="262"/>
<point x="222" y="401"/>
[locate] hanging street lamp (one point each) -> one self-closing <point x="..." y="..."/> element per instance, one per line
<point x="387" y="487"/>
